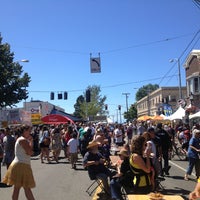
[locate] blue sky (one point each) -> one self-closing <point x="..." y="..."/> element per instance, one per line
<point x="135" y="39"/>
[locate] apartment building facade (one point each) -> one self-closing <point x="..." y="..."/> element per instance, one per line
<point x="192" y="71"/>
<point x="164" y="100"/>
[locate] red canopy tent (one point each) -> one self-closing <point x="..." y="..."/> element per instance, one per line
<point x="56" y="119"/>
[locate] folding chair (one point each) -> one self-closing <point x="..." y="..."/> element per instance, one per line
<point x="158" y="181"/>
<point x="94" y="185"/>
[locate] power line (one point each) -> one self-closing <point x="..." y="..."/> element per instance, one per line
<point x="196" y="34"/>
<point x="144" y="44"/>
<point x="108" y="51"/>
<point x="197" y="3"/>
<point x="108" y="86"/>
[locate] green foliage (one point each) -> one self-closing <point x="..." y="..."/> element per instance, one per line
<point x="80" y="100"/>
<point x="131" y="114"/>
<point x="145" y="90"/>
<point x="13" y="83"/>
<point x="94" y="107"/>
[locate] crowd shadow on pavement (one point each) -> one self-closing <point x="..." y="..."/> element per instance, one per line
<point x="177" y="190"/>
<point x="182" y="178"/>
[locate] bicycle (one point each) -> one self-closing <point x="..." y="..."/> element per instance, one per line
<point x="178" y="151"/>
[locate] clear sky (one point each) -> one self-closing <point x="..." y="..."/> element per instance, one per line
<point x="135" y="39"/>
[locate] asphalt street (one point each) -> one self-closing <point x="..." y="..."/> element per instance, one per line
<point x="60" y="182"/>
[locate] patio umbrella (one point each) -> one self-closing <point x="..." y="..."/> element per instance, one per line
<point x="55" y="119"/>
<point x="144" y="118"/>
<point x="157" y="117"/>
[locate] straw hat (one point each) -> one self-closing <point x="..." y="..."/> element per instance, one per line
<point x="93" y="144"/>
<point x="123" y="152"/>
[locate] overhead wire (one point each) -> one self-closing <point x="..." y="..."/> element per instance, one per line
<point x="108" y="51"/>
<point x="197" y="3"/>
<point x="108" y="86"/>
<point x="184" y="51"/>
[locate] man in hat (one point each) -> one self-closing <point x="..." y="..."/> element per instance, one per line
<point x="123" y="177"/>
<point x="94" y="161"/>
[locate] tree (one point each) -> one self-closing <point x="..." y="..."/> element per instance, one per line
<point x="145" y="90"/>
<point x="94" y="107"/>
<point x="131" y="114"/>
<point x="13" y="82"/>
<point x="80" y="100"/>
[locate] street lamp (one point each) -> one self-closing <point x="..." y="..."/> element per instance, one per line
<point x="179" y="75"/>
<point x="24" y="60"/>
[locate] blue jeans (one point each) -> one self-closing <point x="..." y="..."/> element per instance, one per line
<point x="115" y="189"/>
<point x="104" y="178"/>
<point x="193" y="162"/>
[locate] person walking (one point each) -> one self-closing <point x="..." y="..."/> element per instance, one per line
<point x="56" y="143"/>
<point x="9" y="147"/>
<point x="193" y="154"/>
<point x="73" y="147"/>
<point x="165" y="142"/>
<point x="19" y="173"/>
<point x="44" y="144"/>
<point x="118" y="136"/>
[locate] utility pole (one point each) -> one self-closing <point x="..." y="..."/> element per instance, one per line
<point x="179" y="75"/>
<point x="148" y="101"/>
<point x="126" y="94"/>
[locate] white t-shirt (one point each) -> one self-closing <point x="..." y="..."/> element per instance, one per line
<point x="73" y="145"/>
<point x="118" y="136"/>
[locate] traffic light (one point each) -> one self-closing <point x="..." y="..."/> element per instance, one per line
<point x="65" y="95"/>
<point x="88" y="98"/>
<point x="59" y="95"/>
<point x="52" y="95"/>
<point x="119" y="107"/>
<point x="106" y="107"/>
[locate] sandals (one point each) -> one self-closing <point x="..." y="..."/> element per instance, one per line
<point x="186" y="178"/>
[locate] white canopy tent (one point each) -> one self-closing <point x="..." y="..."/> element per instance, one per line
<point x="179" y="114"/>
<point x="196" y="115"/>
<point x="109" y="120"/>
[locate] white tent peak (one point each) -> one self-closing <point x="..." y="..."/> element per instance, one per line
<point x="179" y="114"/>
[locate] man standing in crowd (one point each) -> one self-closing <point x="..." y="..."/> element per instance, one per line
<point x="165" y="145"/>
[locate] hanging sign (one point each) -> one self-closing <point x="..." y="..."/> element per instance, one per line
<point x="95" y="65"/>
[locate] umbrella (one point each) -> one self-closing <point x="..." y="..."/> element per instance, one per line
<point x="144" y="118"/>
<point x="55" y="119"/>
<point x="157" y="117"/>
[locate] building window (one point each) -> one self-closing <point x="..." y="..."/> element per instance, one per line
<point x="196" y="85"/>
<point x="190" y="86"/>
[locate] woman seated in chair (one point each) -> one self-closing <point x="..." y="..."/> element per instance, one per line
<point x="140" y="166"/>
<point x="122" y="177"/>
<point x="95" y="163"/>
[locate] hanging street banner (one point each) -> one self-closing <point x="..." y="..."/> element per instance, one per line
<point x="95" y="65"/>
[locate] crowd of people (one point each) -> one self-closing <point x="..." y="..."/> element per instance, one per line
<point x="144" y="153"/>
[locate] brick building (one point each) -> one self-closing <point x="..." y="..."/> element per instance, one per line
<point x="192" y="71"/>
